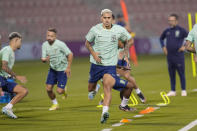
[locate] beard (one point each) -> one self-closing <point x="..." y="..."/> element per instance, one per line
<point x="51" y="41"/>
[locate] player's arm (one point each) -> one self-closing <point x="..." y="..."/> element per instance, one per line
<point x="92" y="52"/>
<point x="45" y="58"/>
<point x="189" y="47"/>
<point x="70" y="59"/>
<point x="1" y="92"/>
<point x="162" y="37"/>
<point x="13" y="74"/>
<point x="128" y="44"/>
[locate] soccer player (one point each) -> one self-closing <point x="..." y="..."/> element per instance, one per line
<point x="104" y="57"/>
<point x="123" y="69"/>
<point x="123" y="66"/>
<point x="7" y="55"/>
<point x="60" y="58"/>
<point x="192" y="38"/>
<point x="174" y="50"/>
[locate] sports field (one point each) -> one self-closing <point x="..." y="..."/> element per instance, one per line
<point x="77" y="113"/>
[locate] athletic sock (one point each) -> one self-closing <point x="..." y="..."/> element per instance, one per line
<point x="105" y="109"/>
<point x="138" y="91"/>
<point x="124" y="102"/>
<point x="9" y="106"/>
<point x="54" y="101"/>
<point x="97" y="87"/>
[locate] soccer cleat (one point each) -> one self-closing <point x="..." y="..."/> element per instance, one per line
<point x="54" y="107"/>
<point x="8" y="112"/>
<point x="104" y="117"/>
<point x="91" y="95"/>
<point x="184" y="93"/>
<point x="127" y="108"/>
<point x="142" y="98"/>
<point x="171" y="93"/>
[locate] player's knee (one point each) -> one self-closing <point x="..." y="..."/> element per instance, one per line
<point x="130" y="85"/>
<point x="48" y="88"/>
<point x="24" y="91"/>
<point x="60" y="90"/>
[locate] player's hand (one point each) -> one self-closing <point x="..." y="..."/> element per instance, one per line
<point x="22" y="79"/>
<point x="45" y="59"/>
<point x="68" y="72"/>
<point x="128" y="63"/>
<point x="181" y="49"/>
<point x="195" y="58"/>
<point x="165" y="51"/>
<point x="96" y="57"/>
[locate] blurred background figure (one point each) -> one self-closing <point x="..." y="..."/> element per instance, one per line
<point x="174" y="50"/>
<point x="122" y="22"/>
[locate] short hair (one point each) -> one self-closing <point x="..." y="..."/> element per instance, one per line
<point x="113" y="16"/>
<point x="106" y="11"/>
<point x="52" y="30"/>
<point x="174" y="15"/>
<point x="119" y="16"/>
<point x="14" y="35"/>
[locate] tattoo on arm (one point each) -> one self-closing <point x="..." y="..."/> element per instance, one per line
<point x="128" y="44"/>
<point x="70" y="58"/>
<point x="7" y="69"/>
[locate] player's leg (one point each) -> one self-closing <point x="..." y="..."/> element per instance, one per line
<point x="92" y="90"/>
<point x="52" y="96"/>
<point x="172" y="74"/>
<point x="62" y="81"/>
<point x="51" y="81"/>
<point x="95" y="75"/>
<point x="20" y="92"/>
<point x="181" y="72"/>
<point x="125" y="94"/>
<point x="108" y="83"/>
<point x="127" y="75"/>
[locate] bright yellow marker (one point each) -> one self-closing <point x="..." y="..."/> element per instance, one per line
<point x="133" y="100"/>
<point x="102" y="98"/>
<point x="192" y="55"/>
<point x="165" y="99"/>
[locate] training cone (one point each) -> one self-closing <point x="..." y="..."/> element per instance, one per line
<point x="125" y="121"/>
<point x="147" y="110"/>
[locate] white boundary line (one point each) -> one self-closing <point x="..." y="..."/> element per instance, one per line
<point x="107" y="129"/>
<point x="117" y="124"/>
<point x="189" y="126"/>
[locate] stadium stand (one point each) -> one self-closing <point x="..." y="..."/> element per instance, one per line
<point x="73" y="18"/>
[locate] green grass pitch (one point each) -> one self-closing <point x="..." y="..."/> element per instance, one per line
<point x="77" y="113"/>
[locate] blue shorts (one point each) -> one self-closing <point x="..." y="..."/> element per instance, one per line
<point x="57" y="77"/>
<point x="122" y="62"/>
<point x="7" y="85"/>
<point x="97" y="72"/>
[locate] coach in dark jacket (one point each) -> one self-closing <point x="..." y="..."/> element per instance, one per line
<point x="171" y="42"/>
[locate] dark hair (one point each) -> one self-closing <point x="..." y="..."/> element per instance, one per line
<point x="14" y="35"/>
<point x="113" y="16"/>
<point x="175" y="15"/>
<point x="119" y="16"/>
<point x="52" y="30"/>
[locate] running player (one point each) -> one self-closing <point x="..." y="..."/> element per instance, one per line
<point x="7" y="55"/>
<point x="60" y="58"/>
<point x="123" y="70"/>
<point x="104" y="57"/>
